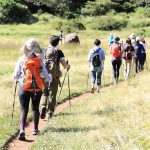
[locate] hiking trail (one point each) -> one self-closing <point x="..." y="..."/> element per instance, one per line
<point x="15" y="144"/>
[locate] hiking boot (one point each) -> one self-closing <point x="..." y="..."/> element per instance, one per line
<point x="98" y="88"/>
<point x="50" y="115"/>
<point x="35" y="132"/>
<point x="22" y="136"/>
<point x="92" y="90"/>
<point x="43" y="112"/>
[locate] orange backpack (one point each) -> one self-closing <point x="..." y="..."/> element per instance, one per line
<point x="116" y="50"/>
<point x="32" y="72"/>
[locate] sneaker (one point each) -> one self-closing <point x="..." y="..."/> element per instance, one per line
<point x="22" y="136"/>
<point x="97" y="91"/>
<point x="35" y="132"/>
<point x="92" y="90"/>
<point x="43" y="112"/>
<point x="50" y="115"/>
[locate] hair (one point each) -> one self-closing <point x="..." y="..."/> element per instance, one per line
<point x="97" y="42"/>
<point x="128" y="41"/>
<point x="54" y="40"/>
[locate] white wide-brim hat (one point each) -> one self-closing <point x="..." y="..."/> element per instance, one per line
<point x="32" y="46"/>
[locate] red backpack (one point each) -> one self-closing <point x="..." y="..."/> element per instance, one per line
<point x="32" y="72"/>
<point x="116" y="50"/>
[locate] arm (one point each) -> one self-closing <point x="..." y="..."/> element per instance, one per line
<point x="90" y="56"/>
<point x="18" y="68"/>
<point x="64" y="63"/>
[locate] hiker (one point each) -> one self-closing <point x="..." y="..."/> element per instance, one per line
<point x="61" y="37"/>
<point x="96" y="58"/>
<point x="116" y="52"/>
<point x="138" y="50"/>
<point x="33" y="76"/>
<point x="143" y="42"/>
<point x="53" y="58"/>
<point x="111" y="39"/>
<point x="127" y="55"/>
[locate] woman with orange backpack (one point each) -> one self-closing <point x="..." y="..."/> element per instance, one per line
<point x="33" y="75"/>
<point x="116" y="52"/>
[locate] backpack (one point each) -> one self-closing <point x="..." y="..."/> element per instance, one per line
<point x="127" y="53"/>
<point x="116" y="50"/>
<point x="138" y="51"/>
<point x="32" y="71"/>
<point x="52" y="63"/>
<point x="96" y="59"/>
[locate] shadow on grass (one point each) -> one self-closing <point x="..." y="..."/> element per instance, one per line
<point x="108" y="111"/>
<point x="65" y="114"/>
<point x="72" y="129"/>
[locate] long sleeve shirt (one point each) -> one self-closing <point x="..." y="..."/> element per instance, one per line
<point x="19" y="70"/>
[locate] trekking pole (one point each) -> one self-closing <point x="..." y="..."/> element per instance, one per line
<point x="69" y="90"/>
<point x="12" y="115"/>
<point x="62" y="84"/>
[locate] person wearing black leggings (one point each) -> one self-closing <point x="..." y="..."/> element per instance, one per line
<point x="30" y="86"/>
<point x="116" y="52"/>
<point x="116" y="63"/>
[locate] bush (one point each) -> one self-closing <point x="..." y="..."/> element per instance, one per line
<point x="143" y="12"/>
<point x="44" y="17"/>
<point x="72" y="26"/>
<point x="108" y="23"/>
<point x="67" y="25"/>
<point x="139" y="23"/>
<point x="11" y="12"/>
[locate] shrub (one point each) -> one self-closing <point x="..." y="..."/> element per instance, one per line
<point x="72" y="26"/>
<point x="139" y="23"/>
<point x="10" y="12"/>
<point x="144" y="12"/>
<point x="108" y="23"/>
<point x="44" y="17"/>
<point x="67" y="25"/>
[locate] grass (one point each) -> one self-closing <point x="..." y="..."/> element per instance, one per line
<point x="114" y="119"/>
<point x="12" y="38"/>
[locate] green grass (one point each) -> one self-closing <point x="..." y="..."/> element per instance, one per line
<point x="114" y="119"/>
<point x="12" y="38"/>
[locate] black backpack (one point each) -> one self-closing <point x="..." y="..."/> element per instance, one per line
<point x="96" y="59"/>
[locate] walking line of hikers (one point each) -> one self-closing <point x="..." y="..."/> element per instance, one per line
<point x="38" y="72"/>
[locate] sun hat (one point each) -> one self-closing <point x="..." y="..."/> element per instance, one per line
<point x="132" y="36"/>
<point x="32" y="46"/>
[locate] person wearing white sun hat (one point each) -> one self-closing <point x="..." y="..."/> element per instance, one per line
<point x="33" y="76"/>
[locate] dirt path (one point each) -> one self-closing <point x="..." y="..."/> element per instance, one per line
<point x="15" y="144"/>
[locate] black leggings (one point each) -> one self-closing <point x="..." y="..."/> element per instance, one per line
<point x="138" y="64"/>
<point x="116" y="66"/>
<point x="24" y="97"/>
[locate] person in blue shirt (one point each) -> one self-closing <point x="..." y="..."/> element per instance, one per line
<point x="111" y="39"/>
<point x="96" y="58"/>
<point x="138" y="53"/>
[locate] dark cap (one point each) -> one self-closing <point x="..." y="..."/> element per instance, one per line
<point x="54" y="40"/>
<point x="117" y="39"/>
